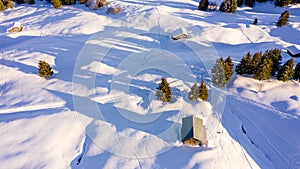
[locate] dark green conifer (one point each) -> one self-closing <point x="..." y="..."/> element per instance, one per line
<point x="164" y="92"/>
<point x="44" y="69"/>
<point x="245" y="65"/>
<point x="228" y="68"/>
<point x="283" y="19"/>
<point x="264" y="69"/>
<point x="287" y="71"/>
<point x="297" y="72"/>
<point x="203" y="93"/>
<point x="203" y="5"/>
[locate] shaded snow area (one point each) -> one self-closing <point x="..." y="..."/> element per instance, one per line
<point x="99" y="109"/>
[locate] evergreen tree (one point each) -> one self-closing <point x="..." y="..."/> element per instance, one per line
<point x="203" y="93"/>
<point x="228" y="6"/>
<point x="275" y="56"/>
<point x="194" y="93"/>
<point x="255" y="21"/>
<point x="20" y="1"/>
<point x="264" y="69"/>
<point x="56" y="3"/>
<point x="44" y="69"/>
<point x="250" y="3"/>
<point x="239" y="3"/>
<point x="283" y="19"/>
<point x="31" y="2"/>
<point x="218" y="73"/>
<point x="203" y="5"/>
<point x="244" y="67"/>
<point x="282" y="3"/>
<point x="69" y="2"/>
<point x="297" y="72"/>
<point x="2" y="7"/>
<point x="228" y="68"/>
<point x="164" y="92"/>
<point x="255" y="62"/>
<point x="287" y="71"/>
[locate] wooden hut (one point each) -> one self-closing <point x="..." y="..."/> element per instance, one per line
<point x="179" y="34"/>
<point x="193" y="131"/>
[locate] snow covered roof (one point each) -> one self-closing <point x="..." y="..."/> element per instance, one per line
<point x="293" y="50"/>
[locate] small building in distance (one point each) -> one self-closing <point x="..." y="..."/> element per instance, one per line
<point x="179" y="34"/>
<point x="293" y="51"/>
<point x="193" y="131"/>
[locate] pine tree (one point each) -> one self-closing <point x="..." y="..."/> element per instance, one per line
<point x="250" y="3"/>
<point x="44" y="69"/>
<point x="203" y="93"/>
<point x="69" y="2"/>
<point x="2" y="7"/>
<point x="194" y="93"/>
<point x="218" y="73"/>
<point x="239" y="3"/>
<point x="275" y="56"/>
<point x="228" y="6"/>
<point x="264" y="69"/>
<point x="282" y="3"/>
<point x="256" y="59"/>
<point x="297" y="72"/>
<point x="203" y="5"/>
<point x="287" y="71"/>
<point x="244" y="67"/>
<point x="56" y="3"/>
<point x="228" y="68"/>
<point x="255" y="21"/>
<point x="164" y="92"/>
<point x="283" y="19"/>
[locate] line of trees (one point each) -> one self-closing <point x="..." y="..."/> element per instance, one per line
<point x="263" y="66"/>
<point x="164" y="92"/>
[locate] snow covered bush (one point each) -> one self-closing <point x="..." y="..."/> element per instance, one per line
<point x="44" y="69"/>
<point x="283" y="19"/>
<point x="194" y="93"/>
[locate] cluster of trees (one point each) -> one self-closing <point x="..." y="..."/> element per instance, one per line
<point x="164" y="92"/>
<point x="263" y="66"/>
<point x="199" y="92"/>
<point x="230" y="6"/>
<point x="56" y="3"/>
<point x="222" y="71"/>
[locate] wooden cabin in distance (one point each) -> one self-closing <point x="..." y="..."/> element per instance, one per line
<point x="293" y="51"/>
<point x="193" y="131"/>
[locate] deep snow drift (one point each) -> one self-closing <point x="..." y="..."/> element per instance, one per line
<point x="99" y="109"/>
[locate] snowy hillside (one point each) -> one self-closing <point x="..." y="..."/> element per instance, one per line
<point x="99" y="109"/>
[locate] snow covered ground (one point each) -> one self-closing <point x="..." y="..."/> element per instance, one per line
<point x="99" y="110"/>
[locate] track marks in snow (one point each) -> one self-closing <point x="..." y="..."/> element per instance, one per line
<point x="32" y="108"/>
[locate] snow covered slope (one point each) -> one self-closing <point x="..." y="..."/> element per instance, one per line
<point x="99" y="109"/>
